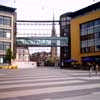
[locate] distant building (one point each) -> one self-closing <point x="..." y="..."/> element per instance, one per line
<point x="22" y="54"/>
<point x="40" y="57"/>
<point x="7" y="31"/>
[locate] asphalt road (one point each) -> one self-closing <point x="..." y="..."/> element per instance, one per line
<point x="48" y="84"/>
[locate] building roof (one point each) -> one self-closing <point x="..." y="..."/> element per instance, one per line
<point x="86" y="9"/>
<point x="66" y="14"/>
<point x="8" y="9"/>
<point x="83" y="10"/>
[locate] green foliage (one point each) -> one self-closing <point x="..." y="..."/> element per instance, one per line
<point x="8" y="55"/>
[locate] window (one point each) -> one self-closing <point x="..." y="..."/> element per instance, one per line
<point x="97" y="35"/>
<point x="97" y="41"/>
<point x="97" y="48"/>
<point x="5" y="20"/>
<point x="1" y="33"/>
<point x="68" y="18"/>
<point x="97" y="22"/>
<point x="90" y="24"/>
<point x="91" y="43"/>
<point x="5" y="33"/>
<point x="4" y="45"/>
<point x="1" y="20"/>
<point x="84" y="44"/>
<point x="90" y="31"/>
<point x="1" y="59"/>
<point x="90" y="36"/>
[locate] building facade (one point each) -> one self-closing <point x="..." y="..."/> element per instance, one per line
<point x="22" y="54"/>
<point x="85" y="33"/>
<point x="65" y="52"/>
<point x="7" y="31"/>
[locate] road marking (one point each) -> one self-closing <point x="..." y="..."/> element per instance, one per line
<point x="46" y="90"/>
<point x="39" y="84"/>
<point x="35" y="80"/>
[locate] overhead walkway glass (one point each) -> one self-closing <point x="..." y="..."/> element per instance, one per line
<point x="42" y="41"/>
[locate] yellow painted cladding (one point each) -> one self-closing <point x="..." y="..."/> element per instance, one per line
<point x="75" y="34"/>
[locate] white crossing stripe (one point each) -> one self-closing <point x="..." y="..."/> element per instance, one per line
<point x="34" y="77"/>
<point x="46" y="90"/>
<point x="39" y="84"/>
<point x="35" y="80"/>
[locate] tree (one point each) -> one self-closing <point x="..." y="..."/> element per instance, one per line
<point x="8" y="55"/>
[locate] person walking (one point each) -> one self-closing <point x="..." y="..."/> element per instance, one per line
<point x="90" y="69"/>
<point x="96" y="69"/>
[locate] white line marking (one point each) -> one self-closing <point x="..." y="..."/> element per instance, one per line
<point x="46" y="90"/>
<point x="39" y="84"/>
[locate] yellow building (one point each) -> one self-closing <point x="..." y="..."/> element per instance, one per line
<point x="85" y="33"/>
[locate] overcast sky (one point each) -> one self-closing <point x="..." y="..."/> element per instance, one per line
<point x="43" y="9"/>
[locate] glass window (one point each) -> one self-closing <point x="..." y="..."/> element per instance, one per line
<point x="1" y="20"/>
<point x="1" y="33"/>
<point x="97" y="35"/>
<point x="1" y="46"/>
<point x="4" y="45"/>
<point x="68" y="18"/>
<point x="1" y="59"/>
<point x="97" y="29"/>
<point x="5" y="33"/>
<point x="84" y="44"/>
<point x="97" y="48"/>
<point x="90" y="30"/>
<point x="91" y="43"/>
<point x="90" y="24"/>
<point x="97" y="41"/>
<point x="84" y="32"/>
<point x="97" y="22"/>
<point x="7" y="45"/>
<point x="90" y="36"/>
<point x="7" y="21"/>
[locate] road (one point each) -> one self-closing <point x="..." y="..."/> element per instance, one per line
<point x="48" y="84"/>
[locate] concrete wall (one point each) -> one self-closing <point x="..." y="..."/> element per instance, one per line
<point x="25" y="64"/>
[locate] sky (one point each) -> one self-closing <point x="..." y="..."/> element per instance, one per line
<point x="44" y="9"/>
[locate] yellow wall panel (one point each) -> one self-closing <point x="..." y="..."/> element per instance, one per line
<point x="75" y="34"/>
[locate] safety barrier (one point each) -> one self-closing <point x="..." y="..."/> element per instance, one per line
<point x="8" y="67"/>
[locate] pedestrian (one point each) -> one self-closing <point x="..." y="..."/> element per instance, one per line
<point x="96" y="69"/>
<point x="62" y="64"/>
<point x="90" y="69"/>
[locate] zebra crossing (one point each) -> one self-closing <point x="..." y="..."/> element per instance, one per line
<point x="48" y="84"/>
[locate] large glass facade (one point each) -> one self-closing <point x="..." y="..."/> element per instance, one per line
<point x="90" y="36"/>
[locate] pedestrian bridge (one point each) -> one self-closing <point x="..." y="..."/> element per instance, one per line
<point x="42" y="41"/>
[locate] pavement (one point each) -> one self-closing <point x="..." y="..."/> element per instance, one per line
<point x="48" y="83"/>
